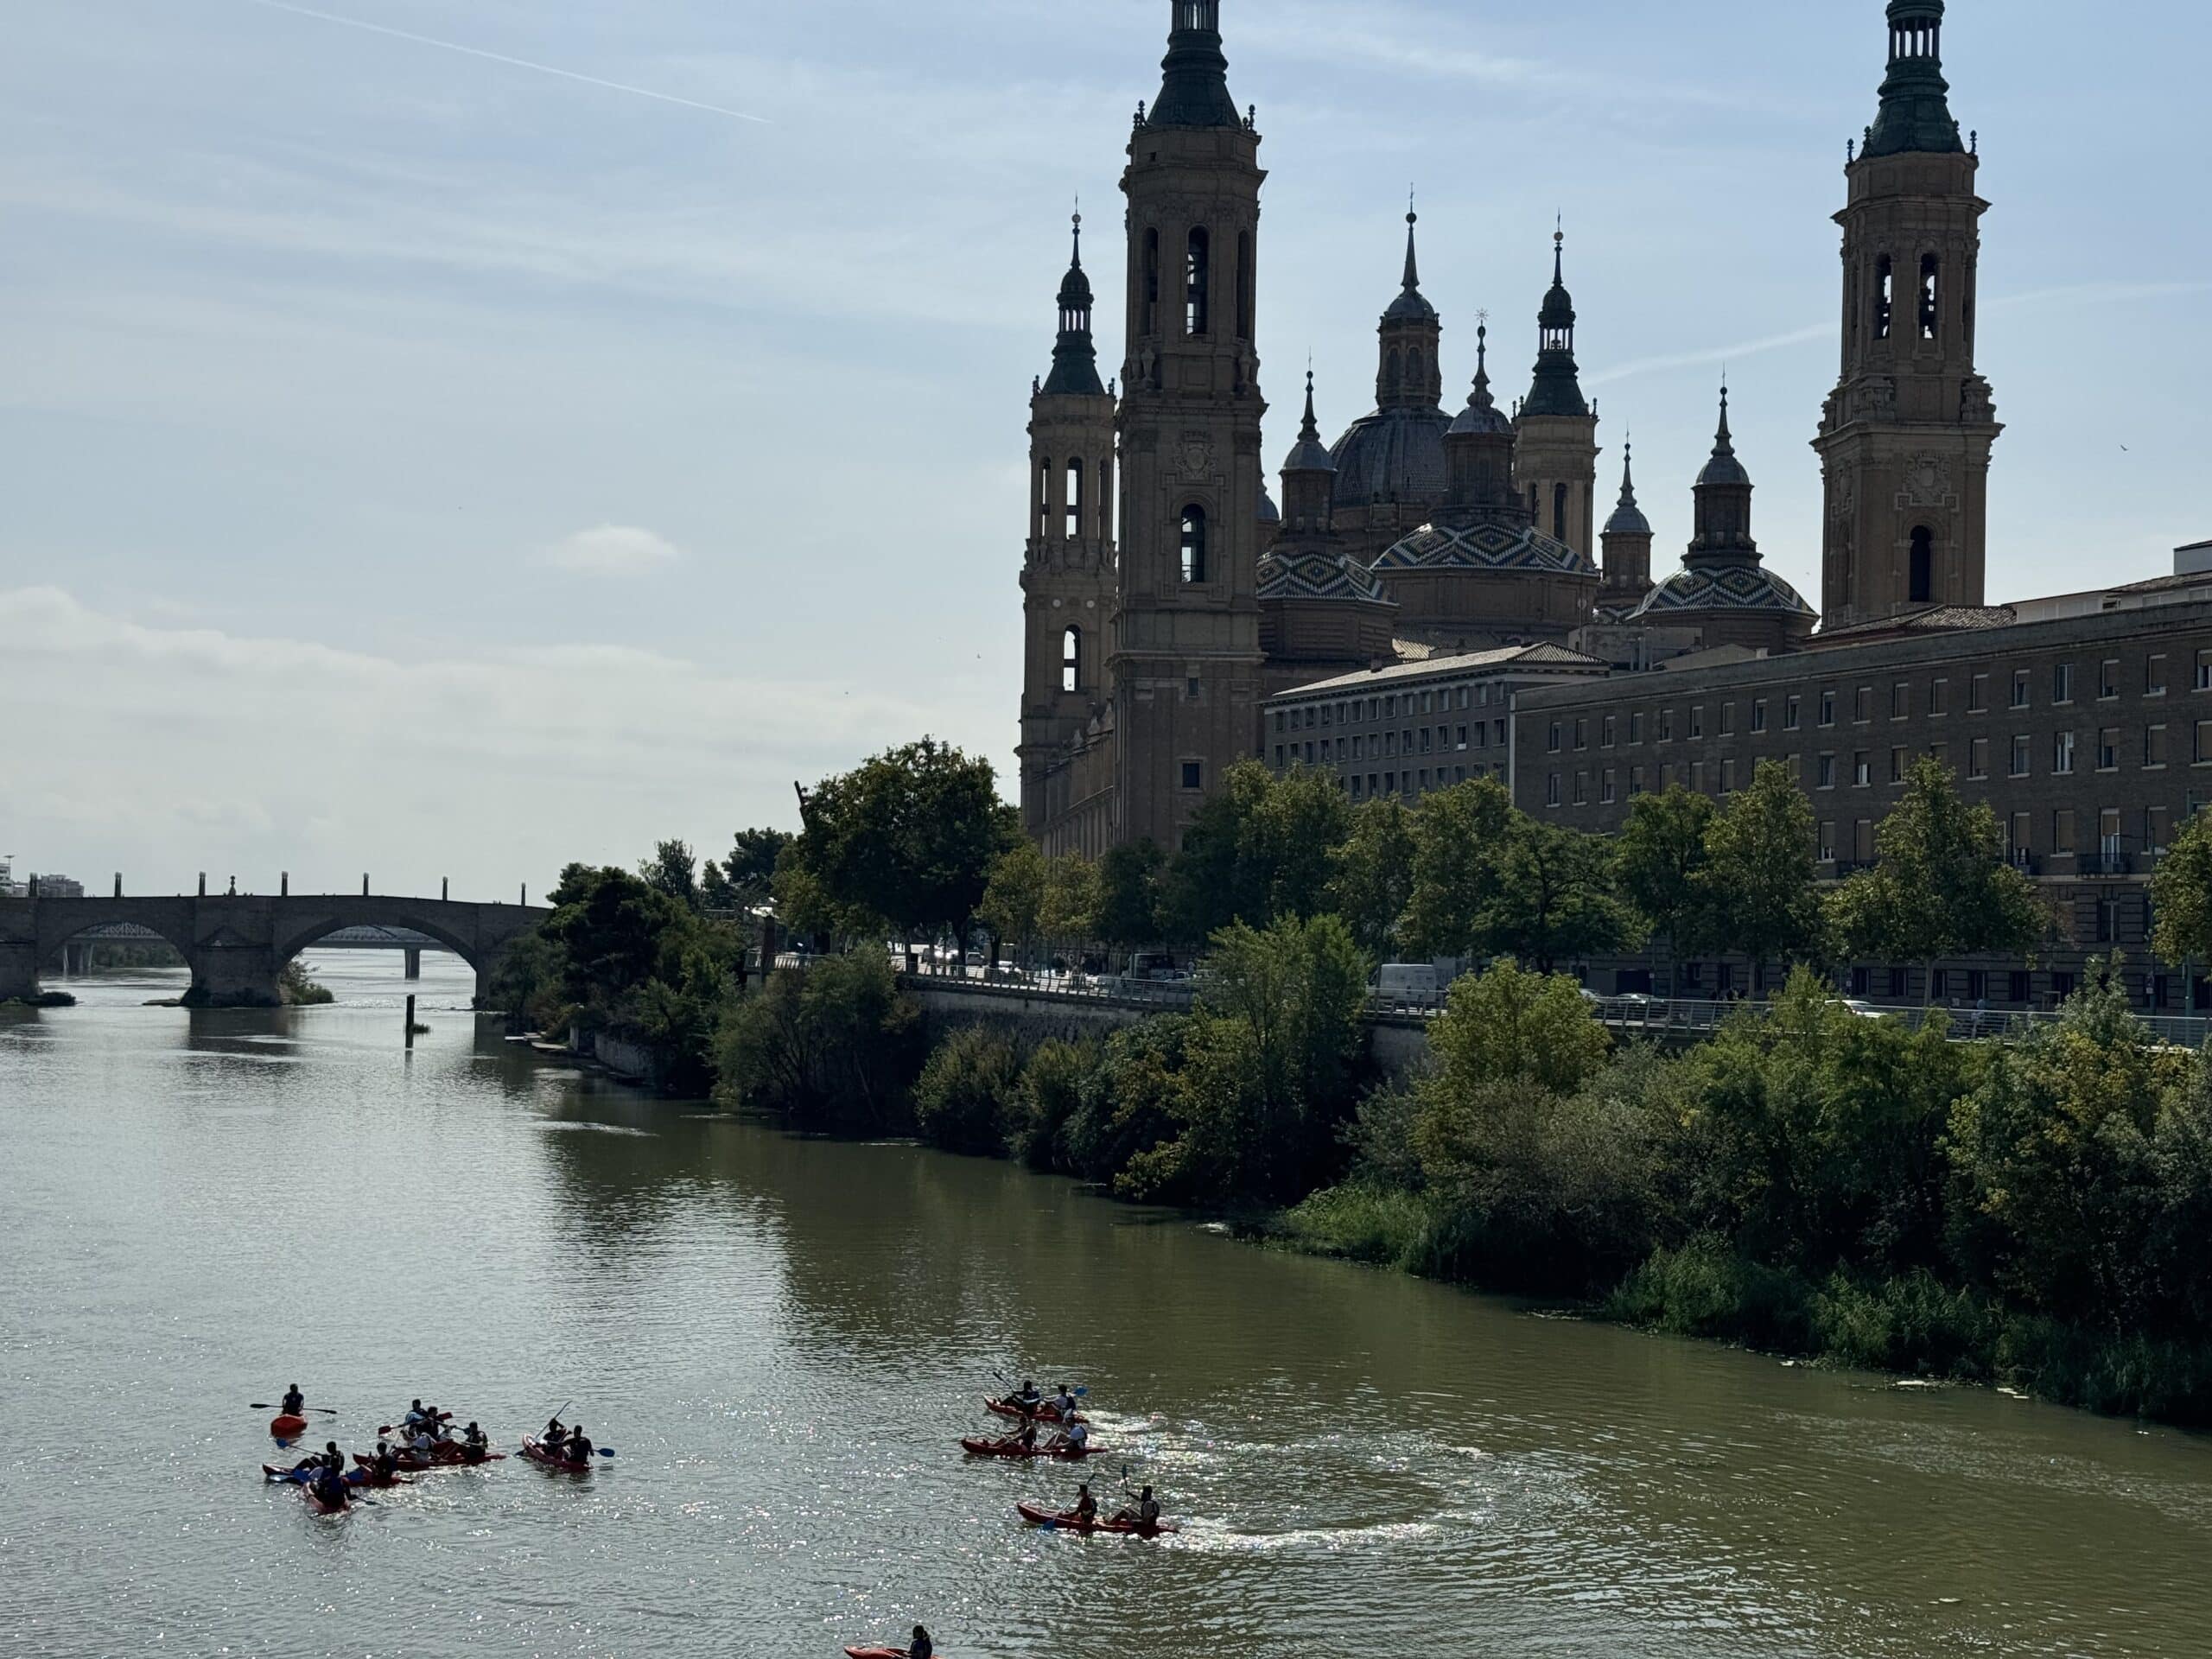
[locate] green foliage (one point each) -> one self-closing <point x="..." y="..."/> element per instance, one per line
<point x="1262" y="847"/>
<point x="2181" y="895"/>
<point x="1511" y="1027"/>
<point x="1456" y="878"/>
<point x="1373" y="876"/>
<point x="1128" y="912"/>
<point x="968" y="1097"/>
<point x="1068" y="911"/>
<point x="1660" y="863"/>
<point x="1051" y="1094"/>
<point x="1383" y="1226"/>
<point x="909" y="836"/>
<point x="1942" y="888"/>
<point x="748" y="876"/>
<point x="1554" y="898"/>
<point x="1013" y="901"/>
<point x="295" y="991"/>
<point x="1131" y="1102"/>
<point x="673" y="870"/>
<point x="833" y="1046"/>
<point x="1757" y="878"/>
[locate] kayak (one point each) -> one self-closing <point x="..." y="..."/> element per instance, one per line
<point x="271" y="1471"/>
<point x="316" y="1503"/>
<point x="875" y="1653"/>
<point x="1010" y="1448"/>
<point x="1036" y="1516"/>
<point x="368" y="1477"/>
<point x="444" y="1457"/>
<point x="535" y="1450"/>
<point x="288" y="1425"/>
<point x="1043" y="1413"/>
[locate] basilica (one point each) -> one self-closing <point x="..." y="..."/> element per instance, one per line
<point x="1169" y="597"/>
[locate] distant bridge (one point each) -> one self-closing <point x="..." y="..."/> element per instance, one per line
<point x="76" y="955"/>
<point x="237" y="945"/>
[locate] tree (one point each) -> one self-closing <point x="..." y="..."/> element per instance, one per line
<point x="1129" y="894"/>
<point x="1660" y="861"/>
<point x="1940" y="887"/>
<point x="1457" y="834"/>
<point x="1759" y="873"/>
<point x="910" y="837"/>
<point x="1508" y="1026"/>
<point x="2181" y="895"/>
<point x="1014" y="903"/>
<point x="1070" y="911"/>
<point x="834" y="1045"/>
<point x="609" y="926"/>
<point x="673" y="869"/>
<point x="1261" y="847"/>
<point x="1553" y="898"/>
<point x="1373" y="879"/>
<point x="748" y="876"/>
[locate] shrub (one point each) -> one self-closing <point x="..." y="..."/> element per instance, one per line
<point x="836" y="1044"/>
<point x="1704" y="1289"/>
<point x="1132" y="1101"/>
<point x="967" y="1097"/>
<point x="1050" y="1096"/>
<point x="1360" y="1222"/>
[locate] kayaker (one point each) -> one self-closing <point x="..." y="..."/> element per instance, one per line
<point x="1064" y="1404"/>
<point x="295" y="1401"/>
<point x="476" y="1441"/>
<point x="330" y="1488"/>
<point x="1086" y="1506"/>
<point x="387" y="1463"/>
<point x="415" y="1415"/>
<point x="921" y="1647"/>
<point x="554" y="1432"/>
<point x="420" y="1443"/>
<point x="1027" y="1398"/>
<point x="1074" y="1440"/>
<point x="1145" y="1512"/>
<point x="308" y="1465"/>
<point x="1026" y="1439"/>
<point x="578" y="1449"/>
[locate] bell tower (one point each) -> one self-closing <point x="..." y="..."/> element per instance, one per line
<point x="1185" y="668"/>
<point x="1067" y="572"/>
<point x="1905" y="437"/>
<point x="1556" y="455"/>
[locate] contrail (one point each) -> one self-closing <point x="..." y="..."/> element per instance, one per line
<point x="512" y="63"/>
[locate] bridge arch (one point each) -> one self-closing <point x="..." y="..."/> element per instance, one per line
<point x="287" y="946"/>
<point x="57" y="928"/>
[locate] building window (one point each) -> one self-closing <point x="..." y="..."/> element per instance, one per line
<point x="1581" y="736"/>
<point x="1697" y="724"/>
<point x="1862" y="705"/>
<point x="2204" y="742"/>
<point x="2154" y="746"/>
<point x="1582" y="789"/>
<point x="1728" y="776"/>
<point x="1071" y="662"/>
<point x="1606" y="731"/>
<point x="1827" y="843"/>
<point x="1922" y="572"/>
<point x="1897" y="765"/>
<point x="1862" y="842"/>
<point x="1194" y="544"/>
<point x="1727" y="720"/>
<point x="2062" y="753"/>
<point x="1790" y="711"/>
<point x="1939" y="698"/>
<point x="1978" y="758"/>
<point x="2061" y="832"/>
<point x="1551" y="790"/>
<point x="2108" y="679"/>
<point x="1826" y="773"/>
<point x="1978" y="695"/>
<point x="1635" y="782"/>
<point x="2061" y="683"/>
<point x="1900" y="700"/>
<point x="2020" y="757"/>
<point x="1605" y="789"/>
<point x="1665" y="725"/>
<point x="1827" y="708"/>
<point x="1246" y="285"/>
<point x="2019" y="688"/>
<point x="2154" y="676"/>
<point x="1885" y="276"/>
<point x="2108" y="749"/>
<point x="1553" y="738"/>
<point x="1559" y="512"/>
<point x="1862" y="772"/>
<point x="2204" y="670"/>
<point x="1931" y="307"/>
<point x="1193" y="774"/>
<point x="1758" y="714"/>
<point x="1198" y="283"/>
<point x="2158" y="825"/>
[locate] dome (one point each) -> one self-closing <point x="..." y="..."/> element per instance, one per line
<point x="1723" y="468"/>
<point x="1480" y="417"/>
<point x="1733" y="587"/>
<point x="1392" y="455"/>
<point x="1485" y="547"/>
<point x="1411" y="306"/>
<point x="1269" y="512"/>
<point x="1627" y="519"/>
<point x="1075" y="291"/>
<point x="1318" y="577"/>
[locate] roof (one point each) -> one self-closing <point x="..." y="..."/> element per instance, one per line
<point x="1542" y="657"/>
<point x="1392" y="455"/>
<point x="1743" y="585"/>
<point x="1485" y="546"/>
<point x="1926" y="618"/>
<point x="1316" y="575"/>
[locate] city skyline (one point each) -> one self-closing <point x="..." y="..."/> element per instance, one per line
<point x="439" y="490"/>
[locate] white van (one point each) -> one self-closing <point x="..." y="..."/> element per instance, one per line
<point x="1409" y="985"/>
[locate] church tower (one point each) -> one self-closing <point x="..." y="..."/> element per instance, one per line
<point x="1905" y="438"/>
<point x="1185" y="668"/>
<point x="1556" y="455"/>
<point x="1627" y="542"/>
<point x="1067" y="574"/>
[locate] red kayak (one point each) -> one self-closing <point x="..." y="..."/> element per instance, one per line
<point x="875" y="1653"/>
<point x="443" y="1457"/>
<point x="1043" y="1413"/>
<point x="286" y="1426"/>
<point x="1037" y="1516"/>
<point x="316" y="1502"/>
<point x="1014" y="1448"/>
<point x="535" y="1450"/>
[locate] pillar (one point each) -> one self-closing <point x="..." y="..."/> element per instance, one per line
<point x="284" y="885"/>
<point x="18" y="969"/>
<point x="203" y="884"/>
<point x="365" y="885"/>
<point x="119" y="884"/>
<point x="445" y="888"/>
<point x="411" y="962"/>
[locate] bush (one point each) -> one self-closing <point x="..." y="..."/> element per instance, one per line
<point x="1360" y="1222"/>
<point x="1704" y="1289"/>
<point x="1915" y="1323"/>
<point x="1050" y="1096"/>
<point x="295" y="991"/>
<point x="1132" y="1101"/>
<point x="967" y="1097"/>
<point x="833" y="1046"/>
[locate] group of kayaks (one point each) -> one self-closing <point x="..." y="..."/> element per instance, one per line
<point x="1072" y="1444"/>
<point x="395" y="1465"/>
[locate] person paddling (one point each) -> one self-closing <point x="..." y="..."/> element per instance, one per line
<point x="1026" y="1439"/>
<point x="415" y="1416"/>
<point x="330" y="1488"/>
<point x="554" y="1432"/>
<point x="420" y="1443"/>
<point x="295" y="1403"/>
<point x="1144" y="1514"/>
<point x="1074" y="1441"/>
<point x="1086" y="1506"/>
<point x="387" y="1464"/>
<point x="1027" y="1398"/>
<point x="921" y="1647"/>
<point x="475" y="1442"/>
<point x="1064" y="1405"/>
<point x="316" y="1460"/>
<point x="578" y="1449"/>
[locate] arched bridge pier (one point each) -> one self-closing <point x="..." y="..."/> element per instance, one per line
<point x="235" y="945"/>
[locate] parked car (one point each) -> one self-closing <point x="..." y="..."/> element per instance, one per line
<point x="1408" y="984"/>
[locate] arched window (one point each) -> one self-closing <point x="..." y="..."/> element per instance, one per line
<point x="1194" y="543"/>
<point x="1884" y="295"/>
<point x="1105" y="501"/>
<point x="1074" y="501"/>
<point x="1391" y="371"/>
<point x="1198" y="283"/>
<point x="1201" y="14"/>
<point x="1559" y="512"/>
<point x="1246" y="286"/>
<point x="1930" y="312"/>
<point x="1043" y="496"/>
<point x="1924" y="566"/>
<point x="1071" y="660"/>
<point x="1149" y="322"/>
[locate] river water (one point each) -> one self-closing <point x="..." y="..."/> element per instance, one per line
<point x="783" y="1340"/>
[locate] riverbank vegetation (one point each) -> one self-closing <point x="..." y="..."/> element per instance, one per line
<point x="1811" y="1181"/>
<point x="297" y="989"/>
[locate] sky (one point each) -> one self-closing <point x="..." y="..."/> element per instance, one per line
<point x="449" y="438"/>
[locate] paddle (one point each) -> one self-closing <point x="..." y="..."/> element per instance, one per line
<point x="263" y="1405"/>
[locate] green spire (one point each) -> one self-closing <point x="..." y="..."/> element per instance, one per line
<point x="1194" y="90"/>
<point x="1557" y="388"/>
<point x="1916" y="114"/>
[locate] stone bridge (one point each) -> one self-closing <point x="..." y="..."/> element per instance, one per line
<point x="237" y="945"/>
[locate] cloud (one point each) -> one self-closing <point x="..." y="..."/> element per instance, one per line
<point x="613" y="550"/>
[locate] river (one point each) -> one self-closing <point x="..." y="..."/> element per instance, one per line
<point x="783" y="1339"/>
